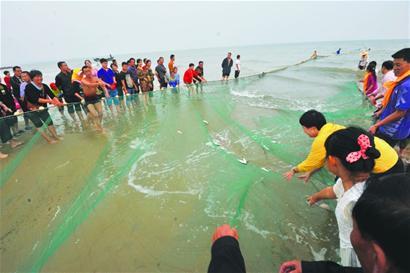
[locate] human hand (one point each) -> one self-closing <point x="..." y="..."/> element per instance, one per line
<point x="373" y="129"/>
<point x="311" y="200"/>
<point x="291" y="267"/>
<point x="224" y="230"/>
<point x="372" y="100"/>
<point x="288" y="175"/>
<point x="305" y="177"/>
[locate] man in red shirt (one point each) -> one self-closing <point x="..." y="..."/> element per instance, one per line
<point x="190" y="74"/>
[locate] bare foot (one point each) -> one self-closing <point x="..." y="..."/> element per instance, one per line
<point x="14" y="144"/>
<point x="3" y="156"/>
<point x="52" y="141"/>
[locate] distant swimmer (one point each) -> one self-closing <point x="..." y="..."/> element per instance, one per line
<point x="339" y="51"/>
<point x="314" y="55"/>
<point x="363" y="60"/>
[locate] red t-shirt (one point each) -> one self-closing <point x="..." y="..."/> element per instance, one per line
<point x="189" y="76"/>
<point x="7" y="81"/>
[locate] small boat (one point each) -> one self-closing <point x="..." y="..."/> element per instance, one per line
<point x="108" y="59"/>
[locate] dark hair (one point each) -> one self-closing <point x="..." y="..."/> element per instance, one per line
<point x="191" y="65"/>
<point x="402" y="54"/>
<point x="35" y="73"/>
<point x="238" y="56"/>
<point x="59" y="64"/>
<point x="6" y="72"/>
<point x="343" y="142"/>
<point x="84" y="67"/>
<point x="131" y="59"/>
<point x="382" y="215"/>
<point x="124" y="63"/>
<point x="200" y="62"/>
<point x="147" y="61"/>
<point x="144" y="60"/>
<point x="26" y="72"/>
<point x="172" y="56"/>
<point x="139" y="60"/>
<point x="371" y="67"/>
<point x="103" y="60"/>
<point x="388" y="65"/>
<point x="87" y="61"/>
<point x="312" y="118"/>
<point x="113" y="64"/>
<point x="16" y="67"/>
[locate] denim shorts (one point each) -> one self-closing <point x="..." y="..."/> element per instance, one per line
<point x="113" y="97"/>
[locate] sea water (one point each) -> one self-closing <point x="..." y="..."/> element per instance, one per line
<point x="147" y="195"/>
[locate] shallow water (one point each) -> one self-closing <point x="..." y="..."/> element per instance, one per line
<point x="147" y="196"/>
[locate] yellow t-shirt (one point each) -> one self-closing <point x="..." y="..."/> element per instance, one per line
<point x="317" y="155"/>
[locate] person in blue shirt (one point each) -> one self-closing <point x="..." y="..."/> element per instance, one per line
<point x="339" y="51"/>
<point x="174" y="78"/>
<point x="394" y="122"/>
<point x="108" y="77"/>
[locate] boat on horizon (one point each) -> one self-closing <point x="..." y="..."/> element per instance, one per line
<point x="110" y="58"/>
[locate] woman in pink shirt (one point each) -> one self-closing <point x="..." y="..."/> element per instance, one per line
<point x="370" y="84"/>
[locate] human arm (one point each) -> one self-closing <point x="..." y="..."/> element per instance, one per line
<point x="316" y="267"/>
<point x="315" y="159"/>
<point x="52" y="98"/>
<point x="306" y="176"/>
<point x="326" y="193"/>
<point x="390" y="118"/>
<point x="5" y="108"/>
<point x="226" y="256"/>
<point x="59" y="82"/>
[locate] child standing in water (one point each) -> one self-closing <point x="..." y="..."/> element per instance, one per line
<point x="370" y="85"/>
<point x="351" y="155"/>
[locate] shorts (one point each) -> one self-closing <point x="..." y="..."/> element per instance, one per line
<point x="40" y="117"/>
<point x="113" y="97"/>
<point x="11" y="120"/>
<point x="74" y="103"/>
<point x="226" y="73"/>
<point x="91" y="100"/>
<point x="5" y="134"/>
<point x="163" y="84"/>
<point x="237" y="72"/>
<point x="131" y="91"/>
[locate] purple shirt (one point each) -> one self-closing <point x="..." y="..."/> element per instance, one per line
<point x="371" y="80"/>
<point x="106" y="75"/>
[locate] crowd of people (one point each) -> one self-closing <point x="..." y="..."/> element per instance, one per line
<point x="372" y="186"/>
<point x="83" y="91"/>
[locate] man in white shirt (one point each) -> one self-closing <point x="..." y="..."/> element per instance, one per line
<point x="237" y="66"/>
<point x="388" y="75"/>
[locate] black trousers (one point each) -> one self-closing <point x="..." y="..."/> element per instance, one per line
<point x="5" y="133"/>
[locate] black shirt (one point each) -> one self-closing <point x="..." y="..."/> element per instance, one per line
<point x="33" y="94"/>
<point x="161" y="71"/>
<point x="63" y="82"/>
<point x="15" y="85"/>
<point x="7" y="98"/>
<point x="200" y="71"/>
<point x="127" y="78"/>
<point x="226" y="65"/>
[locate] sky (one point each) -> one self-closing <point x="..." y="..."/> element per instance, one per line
<point x="37" y="31"/>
